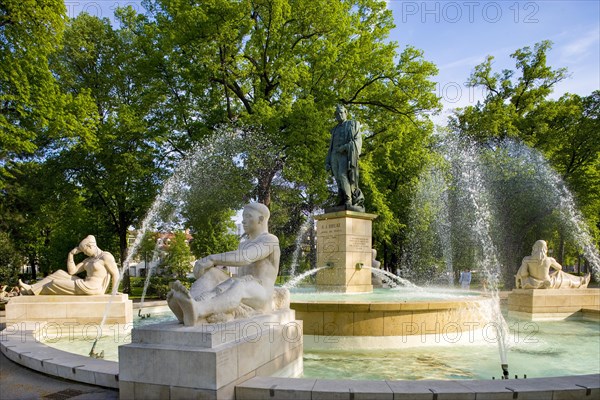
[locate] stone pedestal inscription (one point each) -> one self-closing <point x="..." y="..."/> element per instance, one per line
<point x="344" y="241"/>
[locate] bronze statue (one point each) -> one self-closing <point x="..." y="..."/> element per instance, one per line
<point x="342" y="161"/>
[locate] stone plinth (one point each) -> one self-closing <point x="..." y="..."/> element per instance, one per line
<point x="551" y="304"/>
<point x="344" y="243"/>
<point x="79" y="309"/>
<point x="207" y="361"/>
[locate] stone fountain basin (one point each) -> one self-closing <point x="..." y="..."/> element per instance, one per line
<point x="23" y="349"/>
<point x="358" y="321"/>
<point x="19" y="344"/>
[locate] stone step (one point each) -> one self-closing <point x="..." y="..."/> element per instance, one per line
<point x="573" y="387"/>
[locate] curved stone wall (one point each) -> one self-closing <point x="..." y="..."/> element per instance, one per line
<point x="356" y="318"/>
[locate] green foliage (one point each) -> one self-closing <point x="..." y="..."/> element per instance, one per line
<point x="120" y="177"/>
<point x="10" y="260"/>
<point x="179" y="257"/>
<point x="213" y="234"/>
<point x="45" y="215"/>
<point x="508" y="110"/>
<point x="276" y="69"/>
<point x="33" y="109"/>
<point x="159" y="286"/>
<point x="147" y="246"/>
<point x="566" y="131"/>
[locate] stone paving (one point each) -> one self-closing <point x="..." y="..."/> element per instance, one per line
<point x="17" y="382"/>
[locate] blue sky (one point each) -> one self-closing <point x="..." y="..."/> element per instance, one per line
<point x="457" y="35"/>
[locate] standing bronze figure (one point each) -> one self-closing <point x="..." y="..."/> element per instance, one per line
<point x="342" y="161"/>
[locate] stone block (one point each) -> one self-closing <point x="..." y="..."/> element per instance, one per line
<point x="312" y="322"/>
<point x="126" y="390"/>
<point x="354" y="307"/>
<point x="395" y="323"/>
<point x="412" y="306"/>
<point x="384" y="307"/>
<point x="79" y="309"/>
<point x="176" y="393"/>
<point x="350" y="389"/>
<point x="253" y="354"/>
<point x="550" y="304"/>
<point x="260" y="388"/>
<point x="150" y="391"/>
<point x="344" y="240"/>
<point x="426" y="321"/>
<point x="238" y="350"/>
<point x="368" y="324"/>
<point x="338" y="323"/>
<point x="331" y="306"/>
<point x="292" y="334"/>
<point x="430" y="389"/>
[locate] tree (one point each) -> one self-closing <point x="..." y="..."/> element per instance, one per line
<point x="275" y="69"/>
<point x="269" y="70"/>
<point x="512" y="97"/>
<point x="10" y="260"/>
<point x="120" y="177"/>
<point x="517" y="112"/>
<point x="44" y="215"/>
<point x="179" y="257"/>
<point x="33" y="109"/>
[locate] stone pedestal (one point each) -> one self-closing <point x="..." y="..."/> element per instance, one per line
<point x="79" y="309"/>
<point x="172" y="361"/>
<point x="551" y="304"/>
<point x="344" y="242"/>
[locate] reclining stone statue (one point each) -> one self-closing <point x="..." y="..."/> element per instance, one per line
<point x="217" y="297"/>
<point x="99" y="267"/>
<point x="534" y="272"/>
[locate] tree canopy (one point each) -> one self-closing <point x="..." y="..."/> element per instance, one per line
<point x="34" y="111"/>
<point x="95" y="116"/>
<point x="518" y="110"/>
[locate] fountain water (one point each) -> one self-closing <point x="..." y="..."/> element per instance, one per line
<point x="149" y="270"/>
<point x="430" y="208"/>
<point x="388" y="276"/>
<point x="560" y="195"/>
<point x="469" y="178"/>
<point x="292" y="283"/>
<point x="298" y="244"/>
<point x="171" y="192"/>
<point x="471" y="181"/>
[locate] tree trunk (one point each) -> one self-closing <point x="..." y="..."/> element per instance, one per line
<point x="264" y="191"/>
<point x="511" y="257"/>
<point x="560" y="256"/>
<point x="123" y="249"/>
<point x="33" y="263"/>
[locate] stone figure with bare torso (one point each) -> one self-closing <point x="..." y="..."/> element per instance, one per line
<point x="215" y="293"/>
<point x="99" y="266"/>
<point x="534" y="272"/>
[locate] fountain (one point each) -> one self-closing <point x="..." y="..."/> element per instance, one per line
<point x="364" y="318"/>
<point x="298" y="244"/>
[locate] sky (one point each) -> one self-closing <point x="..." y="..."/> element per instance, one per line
<point x="458" y="35"/>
